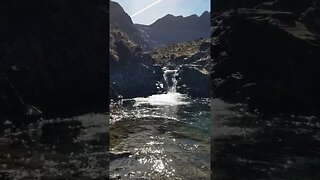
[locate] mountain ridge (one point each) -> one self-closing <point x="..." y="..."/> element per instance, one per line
<point x="167" y="30"/>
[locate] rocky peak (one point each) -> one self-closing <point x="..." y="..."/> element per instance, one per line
<point x="205" y="14"/>
<point x="120" y="18"/>
<point x="170" y="21"/>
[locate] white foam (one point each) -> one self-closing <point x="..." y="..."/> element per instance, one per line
<point x="167" y="99"/>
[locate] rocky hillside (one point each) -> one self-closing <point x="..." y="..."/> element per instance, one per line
<point x="182" y="53"/>
<point x="192" y="61"/>
<point x="46" y="60"/>
<point x="132" y="72"/>
<point x="267" y="55"/>
<point x="120" y="19"/>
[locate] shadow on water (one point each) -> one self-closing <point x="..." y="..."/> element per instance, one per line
<point x="247" y="146"/>
<point x="73" y="148"/>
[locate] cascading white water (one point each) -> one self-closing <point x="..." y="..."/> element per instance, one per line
<point x="170" y="78"/>
<point x="171" y="97"/>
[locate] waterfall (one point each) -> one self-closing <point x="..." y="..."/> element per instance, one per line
<point x="171" y="81"/>
<point x="170" y="98"/>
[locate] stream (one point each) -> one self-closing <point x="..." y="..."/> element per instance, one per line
<point x="163" y="136"/>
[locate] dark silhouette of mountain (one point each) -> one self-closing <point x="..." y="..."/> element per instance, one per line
<point x="175" y="29"/>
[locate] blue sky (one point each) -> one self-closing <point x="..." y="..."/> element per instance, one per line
<point x="162" y="8"/>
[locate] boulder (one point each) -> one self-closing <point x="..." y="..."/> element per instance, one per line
<point x="134" y="80"/>
<point x="193" y="81"/>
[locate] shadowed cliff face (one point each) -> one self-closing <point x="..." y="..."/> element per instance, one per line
<point x="132" y="73"/>
<point x="46" y="55"/>
<point x="268" y="57"/>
